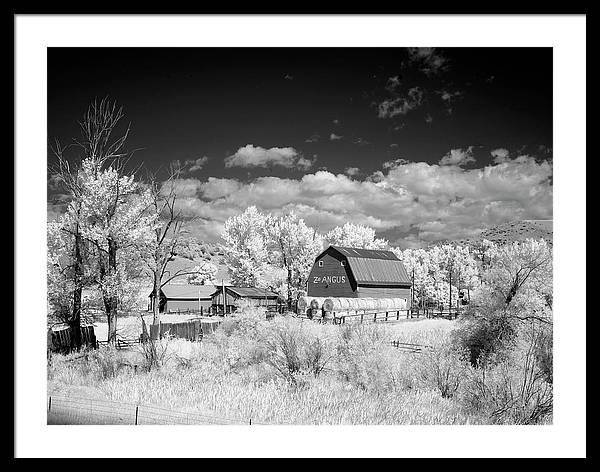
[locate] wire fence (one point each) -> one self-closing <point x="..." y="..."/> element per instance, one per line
<point x="69" y="410"/>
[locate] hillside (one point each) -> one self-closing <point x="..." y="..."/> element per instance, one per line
<point x="182" y="264"/>
<point x="515" y="231"/>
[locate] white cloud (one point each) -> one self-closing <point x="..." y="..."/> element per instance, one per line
<point x="334" y="137"/>
<point x="313" y="138"/>
<point x="401" y="105"/>
<point x="196" y="164"/>
<point x="449" y="96"/>
<point x="430" y="60"/>
<point x="500" y="155"/>
<point x="432" y="201"/>
<point x="394" y="163"/>
<point x="256" y="156"/>
<point x="352" y="171"/>
<point x="304" y="164"/>
<point x="458" y="157"/>
<point x="361" y="142"/>
<point x="393" y="83"/>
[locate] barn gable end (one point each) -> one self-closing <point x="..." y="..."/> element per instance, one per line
<point x="351" y="272"/>
<point x="331" y="278"/>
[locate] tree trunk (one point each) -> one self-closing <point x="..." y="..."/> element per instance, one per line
<point x="156" y="299"/>
<point x="111" y="301"/>
<point x="289" y="294"/>
<point x="75" y="320"/>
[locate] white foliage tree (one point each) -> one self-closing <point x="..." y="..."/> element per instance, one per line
<point x="520" y="277"/>
<point x="357" y="236"/>
<point x="116" y="221"/>
<point x="246" y="248"/>
<point x="203" y="273"/>
<point x="295" y="245"/>
<point x="60" y="263"/>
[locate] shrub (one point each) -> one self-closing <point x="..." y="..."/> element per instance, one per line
<point x="483" y="336"/>
<point x="366" y="359"/>
<point x="443" y="368"/>
<point x="154" y="352"/>
<point x="514" y="390"/>
<point x="294" y="349"/>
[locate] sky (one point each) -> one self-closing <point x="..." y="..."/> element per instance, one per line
<point x="422" y="144"/>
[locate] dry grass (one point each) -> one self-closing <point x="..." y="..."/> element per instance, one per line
<point x="286" y="371"/>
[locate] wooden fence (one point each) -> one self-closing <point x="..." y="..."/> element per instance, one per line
<point x="375" y="316"/>
<point x="69" y="410"/>
<point x="192" y="330"/>
<point x="60" y="340"/>
<point x="410" y="347"/>
<point x="121" y="342"/>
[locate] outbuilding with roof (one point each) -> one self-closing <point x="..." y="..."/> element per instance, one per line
<point x="358" y="273"/>
<point x="184" y="297"/>
<point x="234" y="296"/>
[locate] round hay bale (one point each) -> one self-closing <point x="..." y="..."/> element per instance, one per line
<point x="387" y="304"/>
<point x="362" y="303"/>
<point x="337" y="303"/>
<point x="328" y="304"/>
<point x="397" y="302"/>
<point x="344" y="303"/>
<point x="314" y="304"/>
<point x="303" y="303"/>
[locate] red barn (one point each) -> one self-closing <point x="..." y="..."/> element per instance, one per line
<point x="358" y="273"/>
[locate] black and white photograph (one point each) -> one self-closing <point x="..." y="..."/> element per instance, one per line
<point x="246" y="238"/>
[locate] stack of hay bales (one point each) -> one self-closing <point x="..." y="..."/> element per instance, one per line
<point x="349" y="306"/>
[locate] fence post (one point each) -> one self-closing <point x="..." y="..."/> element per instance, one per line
<point x="250" y="421"/>
<point x="398" y="315"/>
<point x="136" y="414"/>
<point x="386" y="316"/>
<point x="50" y="403"/>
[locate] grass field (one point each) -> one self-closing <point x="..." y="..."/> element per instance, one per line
<point x="223" y="376"/>
<point x="288" y="371"/>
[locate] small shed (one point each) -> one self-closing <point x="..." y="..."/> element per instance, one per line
<point x="185" y="297"/>
<point x="358" y="273"/>
<point x="235" y="295"/>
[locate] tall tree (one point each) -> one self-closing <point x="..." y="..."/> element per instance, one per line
<point x="113" y="209"/>
<point x="117" y="222"/>
<point x="168" y="233"/>
<point x="246" y="248"/>
<point x="358" y="236"/>
<point x="98" y="143"/>
<point x="296" y="245"/>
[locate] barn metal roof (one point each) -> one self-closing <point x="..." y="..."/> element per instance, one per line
<point x="374" y="266"/>
<point x="180" y="291"/>
<point x="188" y="291"/>
<point x="378" y="271"/>
<point x="248" y="292"/>
<point x="365" y="253"/>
